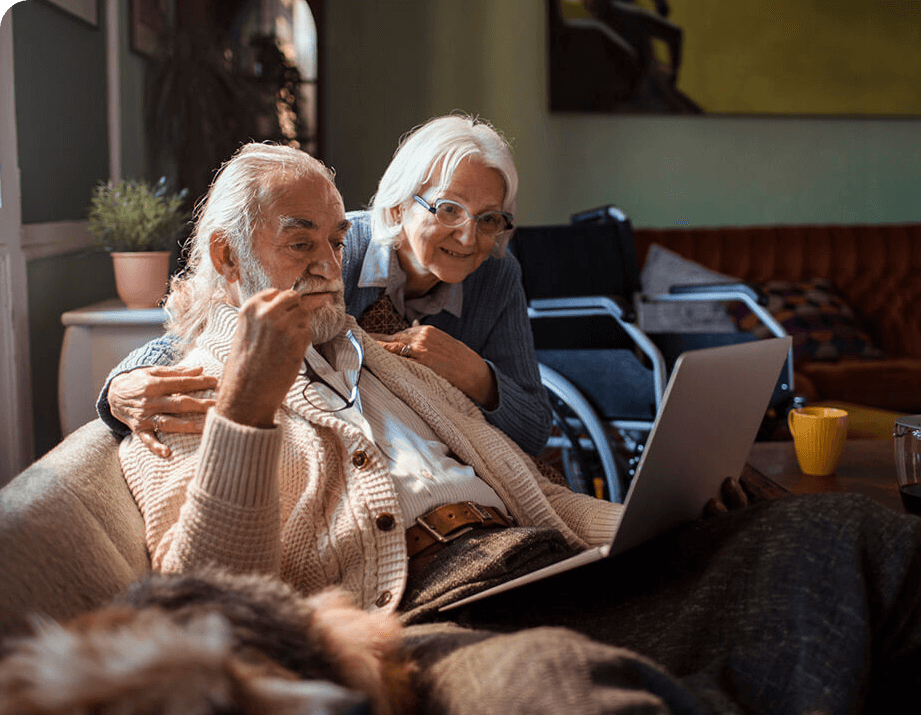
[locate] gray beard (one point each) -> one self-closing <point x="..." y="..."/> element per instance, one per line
<point x="327" y="322"/>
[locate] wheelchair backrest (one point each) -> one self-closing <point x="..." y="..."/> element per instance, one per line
<point x="577" y="259"/>
<point x="587" y="258"/>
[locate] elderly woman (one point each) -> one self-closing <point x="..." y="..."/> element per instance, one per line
<point x="425" y="270"/>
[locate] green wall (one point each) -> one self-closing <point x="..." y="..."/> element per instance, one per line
<point x="132" y="67"/>
<point x="56" y="285"/>
<point x="61" y="130"/>
<point x="391" y="65"/>
<point x="63" y="147"/>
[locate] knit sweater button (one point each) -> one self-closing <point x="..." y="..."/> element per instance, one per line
<point x="383" y="599"/>
<point x="385" y="521"/>
<point x="359" y="459"/>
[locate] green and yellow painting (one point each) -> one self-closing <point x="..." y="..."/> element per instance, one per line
<point x="781" y="57"/>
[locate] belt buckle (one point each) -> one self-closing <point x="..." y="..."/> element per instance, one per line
<point x="435" y="534"/>
<point x="484" y="515"/>
<point x="487" y="517"/>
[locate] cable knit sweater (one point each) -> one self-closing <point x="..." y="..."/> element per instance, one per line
<point x="311" y="499"/>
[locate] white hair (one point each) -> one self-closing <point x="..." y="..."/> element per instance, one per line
<point x="233" y="207"/>
<point x="430" y="154"/>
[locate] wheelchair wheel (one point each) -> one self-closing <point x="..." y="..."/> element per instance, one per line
<point x="579" y="444"/>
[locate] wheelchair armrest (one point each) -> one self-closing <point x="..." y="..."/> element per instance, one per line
<point x="613" y="305"/>
<point x="753" y="297"/>
<point x="730" y="289"/>
<point x="617" y="308"/>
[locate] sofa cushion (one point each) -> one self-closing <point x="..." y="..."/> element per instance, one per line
<point x="823" y="326"/>
<point x="663" y="269"/>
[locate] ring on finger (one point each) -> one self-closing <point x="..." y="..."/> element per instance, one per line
<point x="156" y="423"/>
<point x="406" y="351"/>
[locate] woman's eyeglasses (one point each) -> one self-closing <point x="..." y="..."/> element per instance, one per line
<point x="452" y="214"/>
<point x="326" y="398"/>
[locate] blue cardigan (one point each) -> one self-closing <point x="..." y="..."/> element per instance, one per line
<point x="494" y="323"/>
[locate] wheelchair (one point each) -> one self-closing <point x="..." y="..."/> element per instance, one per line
<point x="604" y="375"/>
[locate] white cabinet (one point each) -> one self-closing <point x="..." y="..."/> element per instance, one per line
<point x="96" y="339"/>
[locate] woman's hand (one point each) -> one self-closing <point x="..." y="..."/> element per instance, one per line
<point x="450" y="358"/>
<point x="150" y="400"/>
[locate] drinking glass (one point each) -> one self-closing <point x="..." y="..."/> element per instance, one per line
<point x="907" y="437"/>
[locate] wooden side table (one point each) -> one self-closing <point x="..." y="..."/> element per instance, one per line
<point x="96" y="339"/>
<point x="867" y="467"/>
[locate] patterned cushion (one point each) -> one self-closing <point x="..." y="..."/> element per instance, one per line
<point x="822" y="325"/>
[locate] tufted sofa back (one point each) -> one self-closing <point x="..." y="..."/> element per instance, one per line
<point x="877" y="268"/>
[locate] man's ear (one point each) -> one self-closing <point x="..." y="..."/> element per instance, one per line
<point x="223" y="258"/>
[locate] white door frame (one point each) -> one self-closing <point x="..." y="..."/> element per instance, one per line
<point x="16" y="438"/>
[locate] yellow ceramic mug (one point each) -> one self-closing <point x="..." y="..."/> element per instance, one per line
<point x="818" y="435"/>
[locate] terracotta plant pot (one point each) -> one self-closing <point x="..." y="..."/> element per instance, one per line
<point x="140" y="278"/>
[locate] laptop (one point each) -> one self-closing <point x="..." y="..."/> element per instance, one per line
<point x="713" y="405"/>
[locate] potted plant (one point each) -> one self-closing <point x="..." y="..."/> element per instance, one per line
<point x="138" y="223"/>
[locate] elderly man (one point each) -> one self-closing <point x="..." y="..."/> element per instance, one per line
<point x="322" y="449"/>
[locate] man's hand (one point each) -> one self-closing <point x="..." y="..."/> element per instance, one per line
<point x="450" y="358"/>
<point x="150" y="400"/>
<point x="267" y="353"/>
<point x="731" y="497"/>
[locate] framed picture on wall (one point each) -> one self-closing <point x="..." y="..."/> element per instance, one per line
<point x="724" y="57"/>
<point x="86" y="10"/>
<point x="147" y="24"/>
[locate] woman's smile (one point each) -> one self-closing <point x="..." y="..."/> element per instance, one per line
<point x="456" y="255"/>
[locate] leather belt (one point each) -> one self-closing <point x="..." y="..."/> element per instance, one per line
<point x="441" y="526"/>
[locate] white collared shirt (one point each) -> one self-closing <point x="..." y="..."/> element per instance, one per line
<point x="424" y="472"/>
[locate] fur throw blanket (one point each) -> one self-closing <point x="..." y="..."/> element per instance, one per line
<point x="207" y="643"/>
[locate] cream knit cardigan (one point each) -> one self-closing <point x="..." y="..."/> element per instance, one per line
<point x="311" y="499"/>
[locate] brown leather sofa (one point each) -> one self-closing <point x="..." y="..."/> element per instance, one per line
<point x="875" y="268"/>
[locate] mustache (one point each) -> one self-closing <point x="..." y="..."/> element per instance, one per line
<point x="310" y="284"/>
